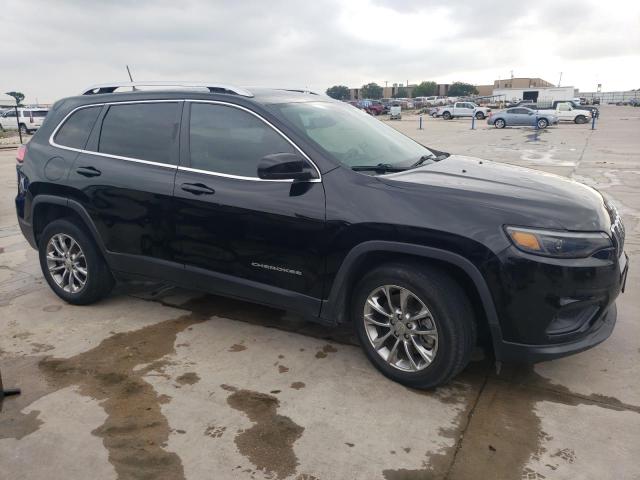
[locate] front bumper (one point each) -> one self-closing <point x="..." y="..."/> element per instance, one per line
<point x="600" y="330"/>
<point x="550" y="308"/>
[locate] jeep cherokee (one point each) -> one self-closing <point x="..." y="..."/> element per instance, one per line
<point x="293" y="200"/>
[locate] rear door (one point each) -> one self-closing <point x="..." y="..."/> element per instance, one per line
<point x="125" y="177"/>
<point x="464" y="109"/>
<point x="234" y="224"/>
<point x="564" y="111"/>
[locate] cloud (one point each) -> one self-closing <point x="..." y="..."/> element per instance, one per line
<point x="57" y="48"/>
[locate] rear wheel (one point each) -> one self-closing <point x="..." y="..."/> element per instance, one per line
<point x="447" y="116"/>
<point x="542" y="123"/>
<point x="23" y="129"/>
<point x="500" y="123"/>
<point x="72" y="264"/>
<point x="580" y="119"/>
<point x="415" y="325"/>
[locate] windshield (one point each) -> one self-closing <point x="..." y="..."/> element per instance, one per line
<point x="351" y="136"/>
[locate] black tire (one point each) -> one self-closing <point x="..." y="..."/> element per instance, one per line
<point x="447" y="115"/>
<point x="542" y="123"/>
<point x="452" y="314"/>
<point x="99" y="280"/>
<point x="23" y="129"/>
<point x="500" y="123"/>
<point x="580" y="119"/>
<point x="480" y="116"/>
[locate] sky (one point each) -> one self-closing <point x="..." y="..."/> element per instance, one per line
<point x="53" y="49"/>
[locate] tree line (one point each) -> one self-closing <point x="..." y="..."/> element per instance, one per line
<point x="423" y="89"/>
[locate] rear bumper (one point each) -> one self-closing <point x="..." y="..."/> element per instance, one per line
<point x="27" y="231"/>
<point x="600" y="330"/>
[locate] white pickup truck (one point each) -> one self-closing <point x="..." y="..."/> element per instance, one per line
<point x="568" y="113"/>
<point x="463" y="109"/>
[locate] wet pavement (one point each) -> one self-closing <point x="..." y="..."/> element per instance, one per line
<point x="162" y="383"/>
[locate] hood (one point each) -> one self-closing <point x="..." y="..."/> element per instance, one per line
<point x="517" y="195"/>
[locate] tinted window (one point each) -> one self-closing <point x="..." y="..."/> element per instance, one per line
<point x="75" y="131"/>
<point x="228" y="140"/>
<point x="40" y="113"/>
<point x="10" y="114"/>
<point x="145" y="131"/>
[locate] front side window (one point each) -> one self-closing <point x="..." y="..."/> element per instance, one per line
<point x="75" y="131"/>
<point x="228" y="140"/>
<point x="350" y="136"/>
<point x="143" y="131"/>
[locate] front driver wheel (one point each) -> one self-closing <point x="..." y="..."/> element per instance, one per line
<point x="415" y="325"/>
<point x="72" y="264"/>
<point x="480" y="116"/>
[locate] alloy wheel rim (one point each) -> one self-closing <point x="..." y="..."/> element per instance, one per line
<point x="66" y="263"/>
<point x="400" y="328"/>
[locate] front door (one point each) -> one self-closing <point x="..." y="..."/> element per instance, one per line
<point x="263" y="233"/>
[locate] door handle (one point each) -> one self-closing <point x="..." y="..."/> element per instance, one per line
<point x="88" y="171"/>
<point x="197" y="188"/>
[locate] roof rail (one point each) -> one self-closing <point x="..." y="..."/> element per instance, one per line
<point x="213" y="88"/>
<point x="297" y="90"/>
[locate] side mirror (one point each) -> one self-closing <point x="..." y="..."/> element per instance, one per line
<point x="284" y="166"/>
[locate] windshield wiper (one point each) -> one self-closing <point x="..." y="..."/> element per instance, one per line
<point x="423" y="159"/>
<point x="380" y="168"/>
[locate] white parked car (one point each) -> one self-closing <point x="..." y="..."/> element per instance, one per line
<point x="28" y="121"/>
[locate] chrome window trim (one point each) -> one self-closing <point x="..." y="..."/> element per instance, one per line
<point x="273" y="127"/>
<point x="178" y="167"/>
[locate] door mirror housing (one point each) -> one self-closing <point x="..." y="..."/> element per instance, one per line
<point x="284" y="166"/>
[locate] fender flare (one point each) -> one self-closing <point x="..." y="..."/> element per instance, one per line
<point x="73" y="205"/>
<point x="335" y="307"/>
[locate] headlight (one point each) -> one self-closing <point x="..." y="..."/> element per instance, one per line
<point x="551" y="243"/>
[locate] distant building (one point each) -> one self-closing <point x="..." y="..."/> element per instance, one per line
<point x="6" y="101"/>
<point x="522" y="82"/>
<point x="484" y="90"/>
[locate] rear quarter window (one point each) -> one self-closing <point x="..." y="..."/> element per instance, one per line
<point x="75" y="130"/>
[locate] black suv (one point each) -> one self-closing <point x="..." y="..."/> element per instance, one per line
<point x="291" y="199"/>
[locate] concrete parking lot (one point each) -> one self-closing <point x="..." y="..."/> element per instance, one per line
<point x="160" y="383"/>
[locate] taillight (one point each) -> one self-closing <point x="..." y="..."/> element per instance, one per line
<point x="22" y="151"/>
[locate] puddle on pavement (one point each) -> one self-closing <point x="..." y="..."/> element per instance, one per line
<point x="135" y="431"/>
<point x="268" y="444"/>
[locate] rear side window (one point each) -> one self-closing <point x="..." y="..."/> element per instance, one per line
<point x="231" y="141"/>
<point x="39" y="113"/>
<point x="144" y="131"/>
<point x="75" y="131"/>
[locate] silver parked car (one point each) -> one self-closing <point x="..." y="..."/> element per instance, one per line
<point x="519" y="116"/>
